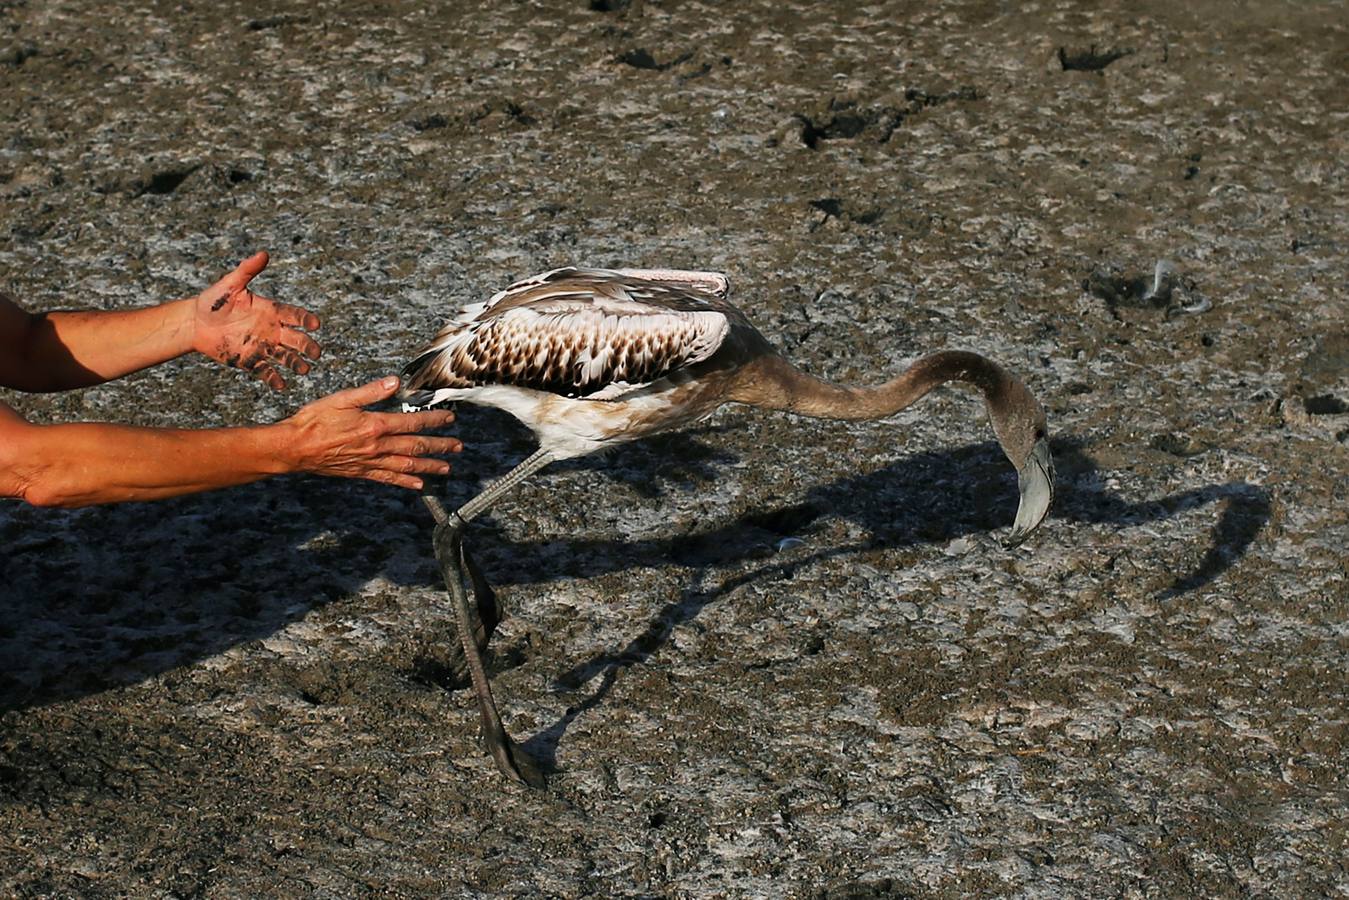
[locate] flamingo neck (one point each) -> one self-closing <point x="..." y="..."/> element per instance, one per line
<point x="775" y="383"/>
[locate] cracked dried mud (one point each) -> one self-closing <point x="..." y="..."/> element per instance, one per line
<point x="771" y="656"/>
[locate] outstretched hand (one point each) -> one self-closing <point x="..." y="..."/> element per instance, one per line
<point x="335" y="436"/>
<point x="238" y="328"/>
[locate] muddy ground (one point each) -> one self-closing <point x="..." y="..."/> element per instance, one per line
<point x="241" y="694"/>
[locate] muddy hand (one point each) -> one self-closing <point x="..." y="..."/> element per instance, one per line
<point x="239" y="328"/>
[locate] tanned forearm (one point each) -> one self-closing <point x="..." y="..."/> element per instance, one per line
<point x="85" y="464"/>
<point x="66" y="350"/>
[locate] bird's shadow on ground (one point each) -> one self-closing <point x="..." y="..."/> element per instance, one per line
<point x="923" y="498"/>
<point x="108" y="596"/>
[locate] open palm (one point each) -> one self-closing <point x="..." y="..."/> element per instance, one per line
<point x="238" y="328"/>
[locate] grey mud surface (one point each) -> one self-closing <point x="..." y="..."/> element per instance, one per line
<point x="242" y="694"/>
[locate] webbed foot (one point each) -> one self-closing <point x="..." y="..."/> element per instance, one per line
<point x="512" y="760"/>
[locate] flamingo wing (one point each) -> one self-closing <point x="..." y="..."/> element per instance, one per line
<point x="583" y="333"/>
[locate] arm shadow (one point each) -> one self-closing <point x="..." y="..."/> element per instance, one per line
<point x="109" y="596"/>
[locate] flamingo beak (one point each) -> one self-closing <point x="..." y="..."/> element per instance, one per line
<point x="1036" y="481"/>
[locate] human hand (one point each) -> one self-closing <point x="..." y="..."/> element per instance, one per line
<point x="335" y="436"/>
<point x="236" y="327"/>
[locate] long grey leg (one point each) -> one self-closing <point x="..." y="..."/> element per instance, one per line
<point x="489" y="613"/>
<point x="454" y="562"/>
<point x="510" y="758"/>
<point x="475" y="507"/>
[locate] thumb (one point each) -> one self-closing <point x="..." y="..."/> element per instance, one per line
<point x="245" y="271"/>
<point x="373" y="392"/>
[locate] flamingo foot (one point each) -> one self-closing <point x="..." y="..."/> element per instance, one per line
<point x="512" y="760"/>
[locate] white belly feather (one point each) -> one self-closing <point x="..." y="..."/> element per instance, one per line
<point x="568" y="427"/>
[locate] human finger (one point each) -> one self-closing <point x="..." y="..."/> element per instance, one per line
<point x="245" y="271"/>
<point x="296" y="317"/>
<point x="413" y="465"/>
<point x="270" y="376"/>
<point x="420" y="445"/>
<point x="397" y="479"/>
<point x="371" y="392"/>
<point x="409" y="423"/>
<point x="290" y="359"/>
<point x="298" y="340"/>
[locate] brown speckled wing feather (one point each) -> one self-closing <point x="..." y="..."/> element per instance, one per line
<point x="578" y="333"/>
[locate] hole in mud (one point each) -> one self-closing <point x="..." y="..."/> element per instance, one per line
<point x="1090" y="59"/>
<point x="830" y="206"/>
<point x="426" y="123"/>
<point x="276" y="22"/>
<point x="1325" y="405"/>
<point x="844" y="119"/>
<point x="167" y="181"/>
<point x="1176" y="444"/>
<point x="19" y="56"/>
<point x="1120" y="290"/>
<point x="834" y="208"/>
<point x="787" y="521"/>
<point x="433" y="672"/>
<point x="641" y="58"/>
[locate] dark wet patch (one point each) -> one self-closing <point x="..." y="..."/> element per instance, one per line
<point x="1328" y="360"/>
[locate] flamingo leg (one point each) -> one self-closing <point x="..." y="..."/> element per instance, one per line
<point x="454" y="562"/>
<point x="479" y="504"/>
<point x="510" y="758"/>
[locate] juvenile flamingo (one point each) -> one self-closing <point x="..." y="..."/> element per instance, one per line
<point x="592" y="358"/>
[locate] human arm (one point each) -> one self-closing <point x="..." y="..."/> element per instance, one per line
<point x="58" y="351"/>
<point x="90" y="463"/>
<point x="63" y="350"/>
